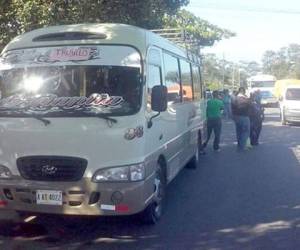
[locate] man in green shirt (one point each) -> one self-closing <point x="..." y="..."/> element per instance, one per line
<point x="214" y="121"/>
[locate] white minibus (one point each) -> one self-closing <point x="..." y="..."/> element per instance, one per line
<point x="96" y="119"/>
<point x="265" y="84"/>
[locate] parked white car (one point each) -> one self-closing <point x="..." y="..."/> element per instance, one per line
<point x="290" y="104"/>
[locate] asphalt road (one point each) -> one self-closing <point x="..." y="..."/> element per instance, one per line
<point x="234" y="200"/>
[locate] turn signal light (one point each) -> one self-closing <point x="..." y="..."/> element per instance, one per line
<point x="3" y="203"/>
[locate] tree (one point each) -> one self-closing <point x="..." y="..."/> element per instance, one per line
<point x="220" y="73"/>
<point x="250" y="67"/>
<point x="269" y="57"/>
<point x="18" y="16"/>
<point x="293" y="52"/>
<point x="212" y="72"/>
<point x="8" y="23"/>
<point x="201" y="32"/>
<point x="284" y="63"/>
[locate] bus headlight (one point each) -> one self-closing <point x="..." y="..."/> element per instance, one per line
<point x="122" y="174"/>
<point x="137" y="172"/>
<point x="5" y="172"/>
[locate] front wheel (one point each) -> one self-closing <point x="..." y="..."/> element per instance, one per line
<point x="193" y="163"/>
<point x="283" y="119"/>
<point x="23" y="214"/>
<point x="153" y="212"/>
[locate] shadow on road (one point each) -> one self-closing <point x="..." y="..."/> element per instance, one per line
<point x="232" y="201"/>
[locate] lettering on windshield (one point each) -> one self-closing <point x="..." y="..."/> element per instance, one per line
<point x="51" y="55"/>
<point x="70" y="54"/>
<point x="48" y="102"/>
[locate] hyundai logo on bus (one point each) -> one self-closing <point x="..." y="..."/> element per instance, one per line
<point x="49" y="170"/>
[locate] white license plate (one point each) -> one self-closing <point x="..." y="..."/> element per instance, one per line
<point x="49" y="197"/>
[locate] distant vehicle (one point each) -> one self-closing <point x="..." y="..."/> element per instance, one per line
<point x="289" y="103"/>
<point x="208" y="94"/>
<point x="265" y="84"/>
<point x="281" y="85"/>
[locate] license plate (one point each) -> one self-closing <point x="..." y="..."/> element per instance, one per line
<point x="49" y="197"/>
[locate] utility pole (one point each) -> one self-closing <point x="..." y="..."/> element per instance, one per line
<point x="239" y="75"/>
<point x="233" y="72"/>
<point x="223" y="71"/>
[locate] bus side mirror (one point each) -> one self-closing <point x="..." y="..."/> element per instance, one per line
<point x="159" y="100"/>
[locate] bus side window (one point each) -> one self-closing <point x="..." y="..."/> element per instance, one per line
<point x="154" y="78"/>
<point x="196" y="83"/>
<point x="1" y="86"/>
<point x="186" y="80"/>
<point x="172" y="80"/>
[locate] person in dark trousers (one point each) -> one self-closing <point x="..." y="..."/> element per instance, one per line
<point x="227" y="104"/>
<point x="240" y="110"/>
<point x="214" y="120"/>
<point x="256" y="119"/>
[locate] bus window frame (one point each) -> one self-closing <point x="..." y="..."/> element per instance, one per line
<point x="191" y="78"/>
<point x="159" y="66"/>
<point x="165" y="52"/>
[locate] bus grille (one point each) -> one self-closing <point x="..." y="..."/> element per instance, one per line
<point x="51" y="168"/>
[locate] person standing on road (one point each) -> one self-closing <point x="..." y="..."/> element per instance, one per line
<point x="256" y="119"/>
<point x="240" y="111"/>
<point x="214" y="120"/>
<point x="227" y="104"/>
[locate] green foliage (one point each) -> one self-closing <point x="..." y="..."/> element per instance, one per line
<point x="212" y="72"/>
<point x="220" y="73"/>
<point x="201" y="32"/>
<point x="18" y="16"/>
<point x="213" y="86"/>
<point x="284" y="63"/>
<point x="8" y="24"/>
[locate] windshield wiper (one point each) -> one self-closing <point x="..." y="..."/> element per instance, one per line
<point x="101" y="116"/>
<point x="46" y="122"/>
<point x="43" y="120"/>
<point x="106" y="117"/>
<point x="30" y="115"/>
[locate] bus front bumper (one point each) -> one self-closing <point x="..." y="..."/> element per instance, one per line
<point x="292" y="115"/>
<point x="78" y="198"/>
<point x="269" y="101"/>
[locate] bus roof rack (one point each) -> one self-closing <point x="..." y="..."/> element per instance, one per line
<point x="182" y="38"/>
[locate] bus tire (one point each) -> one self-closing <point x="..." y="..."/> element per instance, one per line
<point x="283" y="119"/>
<point x="154" y="210"/>
<point x="23" y="214"/>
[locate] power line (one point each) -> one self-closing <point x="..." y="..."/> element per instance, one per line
<point x="246" y="9"/>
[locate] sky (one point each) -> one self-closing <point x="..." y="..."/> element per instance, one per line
<point x="259" y="25"/>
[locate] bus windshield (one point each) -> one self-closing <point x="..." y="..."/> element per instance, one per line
<point x="70" y="89"/>
<point x="263" y="84"/>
